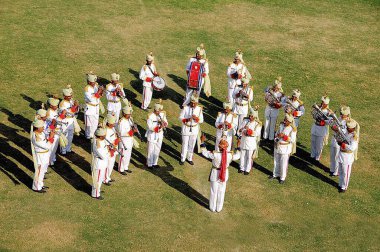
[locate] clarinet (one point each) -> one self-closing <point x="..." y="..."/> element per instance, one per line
<point x="191" y="119"/>
<point x="134" y="127"/>
<point x="161" y="124"/>
<point x="121" y="140"/>
<point x="113" y="147"/>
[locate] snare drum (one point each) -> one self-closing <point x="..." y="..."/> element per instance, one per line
<point x="158" y="83"/>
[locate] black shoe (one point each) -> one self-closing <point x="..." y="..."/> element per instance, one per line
<point x="191" y="162"/>
<point x="112" y="180"/>
<point x="240" y="171"/>
<point x="149" y="107"/>
<point x="271" y="177"/>
<point x="246" y="173"/>
<point x="150" y="167"/>
<point x="107" y="183"/>
<point x="45" y="177"/>
<point x="282" y="181"/>
<point x="123" y="173"/>
<point x="128" y="171"/>
<point x="340" y="190"/>
<point x="40" y="191"/>
<point x="156" y="166"/>
<point x="45" y="187"/>
<point x="99" y="198"/>
<point x="144" y="109"/>
<point x="181" y="162"/>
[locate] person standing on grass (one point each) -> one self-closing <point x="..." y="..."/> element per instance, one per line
<point x="156" y="123"/>
<point x="52" y="115"/>
<point x="236" y="71"/>
<point x="226" y="125"/>
<point x="114" y="94"/>
<point x="243" y="96"/>
<point x="100" y="155"/>
<point x="273" y="97"/>
<point x="191" y="117"/>
<point x="219" y="172"/>
<point x="92" y="94"/>
<point x="147" y="73"/>
<point x="41" y="145"/>
<point x="285" y="137"/>
<point x="347" y="154"/>
<point x="113" y="142"/>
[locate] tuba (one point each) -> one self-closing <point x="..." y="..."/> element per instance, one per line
<point x="317" y="113"/>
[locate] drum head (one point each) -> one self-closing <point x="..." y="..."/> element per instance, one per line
<point x="158" y="83"/>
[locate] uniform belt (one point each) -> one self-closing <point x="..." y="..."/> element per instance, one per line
<point x="114" y="101"/>
<point x="318" y="124"/>
<point x="272" y="106"/>
<point x="241" y="104"/>
<point x="43" y="152"/>
<point x="283" y="143"/>
<point x="69" y="116"/>
<point x="94" y="105"/>
<point x="346" y="151"/>
<point x="215" y="168"/>
<point x="190" y="125"/>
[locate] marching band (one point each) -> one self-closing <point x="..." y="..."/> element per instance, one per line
<point x="113" y="139"/>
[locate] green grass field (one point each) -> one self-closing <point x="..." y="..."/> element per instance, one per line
<point x="317" y="46"/>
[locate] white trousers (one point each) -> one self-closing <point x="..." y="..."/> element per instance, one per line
<point x="334" y="164"/>
<point x="124" y="161"/>
<point x="217" y="192"/>
<point x="109" y="169"/>
<point x="316" y="146"/>
<point x="91" y="124"/>
<point x="97" y="180"/>
<point x="153" y="152"/>
<point x="344" y="175"/>
<point x="246" y="160"/>
<point x="39" y="173"/>
<point x="281" y="162"/>
<point x="70" y="135"/>
<point x="188" y="144"/>
<point x="189" y="93"/>
<point x="147" y="97"/>
<point x="230" y="95"/>
<point x="53" y="150"/>
<point x="269" y="127"/>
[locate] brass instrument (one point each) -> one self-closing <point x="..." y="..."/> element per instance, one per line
<point x="318" y="114"/>
<point x="340" y="136"/>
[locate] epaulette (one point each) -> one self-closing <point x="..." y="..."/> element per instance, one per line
<point x="145" y="67"/>
<point x="164" y="112"/>
<point x="121" y="85"/>
<point x="150" y="114"/>
<point x="300" y="102"/>
<point x="108" y="85"/>
<point x="97" y="143"/>
<point x="355" y="136"/>
<point x="231" y="152"/>
<point x="219" y="113"/>
<point x="61" y="103"/>
<point x="259" y="122"/>
<point x="293" y="127"/>
<point x="235" y="115"/>
<point x="201" y="106"/>
<point x="230" y="63"/>
<point x="86" y="88"/>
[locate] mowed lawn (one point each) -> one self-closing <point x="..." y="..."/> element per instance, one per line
<point x="317" y="46"/>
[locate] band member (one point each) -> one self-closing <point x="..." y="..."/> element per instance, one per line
<point x="249" y="132"/>
<point x="147" y="73"/>
<point x="346" y="155"/>
<point x="196" y="69"/>
<point x="274" y="98"/>
<point x="52" y="116"/>
<point x="226" y="125"/>
<point x="285" y="136"/>
<point x="236" y="71"/>
<point x="127" y="129"/>
<point x="113" y="142"/>
<point x="68" y="108"/>
<point x="41" y="145"/>
<point x="191" y="117"/>
<point x="219" y="172"/>
<point x="345" y="114"/>
<point x="157" y="123"/>
<point x="243" y="95"/>
<point x="92" y="94"/>
<point x="100" y="155"/>
<point x="320" y="130"/>
<point x="114" y="93"/>
<point x="294" y="106"/>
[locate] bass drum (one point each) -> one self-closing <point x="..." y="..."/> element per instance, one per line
<point x="158" y="83"/>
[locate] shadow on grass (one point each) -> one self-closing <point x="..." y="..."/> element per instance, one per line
<point x="164" y="174"/>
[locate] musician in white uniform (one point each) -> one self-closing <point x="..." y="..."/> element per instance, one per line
<point x="236" y="71"/>
<point x="226" y="125"/>
<point x="200" y="58"/>
<point x="346" y="155"/>
<point x="243" y="95"/>
<point x="156" y="123"/>
<point x="320" y="130"/>
<point x="114" y="93"/>
<point x="345" y="112"/>
<point x="219" y="172"/>
<point x="67" y="111"/>
<point x="147" y="73"/>
<point x="41" y="145"/>
<point x="92" y="94"/>
<point x="285" y="136"/>
<point x="249" y="131"/>
<point x="126" y="131"/>
<point x="294" y="106"/>
<point x="100" y="155"/>
<point x="52" y="117"/>
<point x="191" y="117"/>
<point x="274" y="98"/>
<point x="113" y="142"/>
